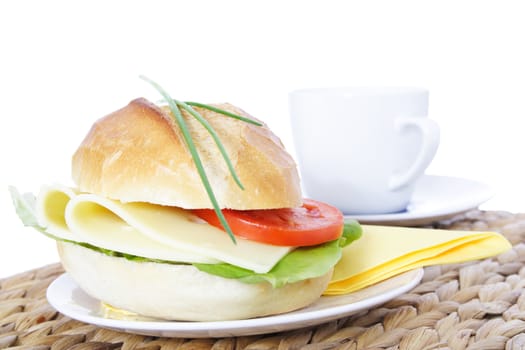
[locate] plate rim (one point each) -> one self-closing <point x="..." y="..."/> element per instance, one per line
<point x="484" y="195"/>
<point x="217" y="329"/>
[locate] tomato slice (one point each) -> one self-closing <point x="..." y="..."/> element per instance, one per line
<point x="313" y="223"/>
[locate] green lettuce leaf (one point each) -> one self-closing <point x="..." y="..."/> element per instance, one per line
<point x="352" y="231"/>
<point x="25" y="208"/>
<point x="300" y="264"/>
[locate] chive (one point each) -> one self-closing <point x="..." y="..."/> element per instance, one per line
<point x="215" y="137"/>
<point x="222" y="111"/>
<point x="195" y="155"/>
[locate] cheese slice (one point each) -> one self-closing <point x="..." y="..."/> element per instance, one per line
<point x="51" y="207"/>
<point x="147" y="230"/>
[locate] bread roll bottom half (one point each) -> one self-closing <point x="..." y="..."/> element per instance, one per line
<point x="180" y="292"/>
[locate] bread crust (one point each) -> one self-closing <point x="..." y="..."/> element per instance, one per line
<point x="180" y="292"/>
<point x="138" y="154"/>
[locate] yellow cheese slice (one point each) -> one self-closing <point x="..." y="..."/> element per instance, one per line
<point x="152" y="231"/>
<point x="383" y="252"/>
<point x="51" y="207"/>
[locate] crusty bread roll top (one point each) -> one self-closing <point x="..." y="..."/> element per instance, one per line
<point x="138" y="154"/>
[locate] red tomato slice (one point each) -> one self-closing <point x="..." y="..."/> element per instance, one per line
<point x="313" y="223"/>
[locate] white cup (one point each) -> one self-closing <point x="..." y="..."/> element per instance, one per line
<point x="362" y="149"/>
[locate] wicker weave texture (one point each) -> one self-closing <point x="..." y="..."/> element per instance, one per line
<point x="476" y="305"/>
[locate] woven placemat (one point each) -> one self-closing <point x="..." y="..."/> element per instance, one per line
<point x="476" y="305"/>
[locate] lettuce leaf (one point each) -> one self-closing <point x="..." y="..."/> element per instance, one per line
<point x="25" y="208"/>
<point x="300" y="264"/>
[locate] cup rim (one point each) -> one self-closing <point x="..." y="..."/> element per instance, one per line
<point x="362" y="90"/>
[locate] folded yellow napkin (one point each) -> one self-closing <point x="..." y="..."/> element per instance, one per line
<point x="383" y="252"/>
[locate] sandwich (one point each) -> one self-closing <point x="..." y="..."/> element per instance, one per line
<point x="192" y="212"/>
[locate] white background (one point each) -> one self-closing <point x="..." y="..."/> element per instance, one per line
<point x="65" y="64"/>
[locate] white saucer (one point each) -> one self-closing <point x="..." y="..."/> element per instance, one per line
<point x="435" y="198"/>
<point x="65" y="296"/>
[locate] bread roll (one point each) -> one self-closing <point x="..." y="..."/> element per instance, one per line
<point x="138" y="154"/>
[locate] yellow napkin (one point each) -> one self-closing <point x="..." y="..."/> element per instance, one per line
<point x="383" y="252"/>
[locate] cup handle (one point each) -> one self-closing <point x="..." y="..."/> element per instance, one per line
<point x="430" y="133"/>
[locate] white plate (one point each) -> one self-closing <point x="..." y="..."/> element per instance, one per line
<point x="435" y="198"/>
<point x="65" y="296"/>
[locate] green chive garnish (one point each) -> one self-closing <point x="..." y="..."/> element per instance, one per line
<point x="221" y="111"/>
<point x="195" y="155"/>
<point x="226" y="113"/>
